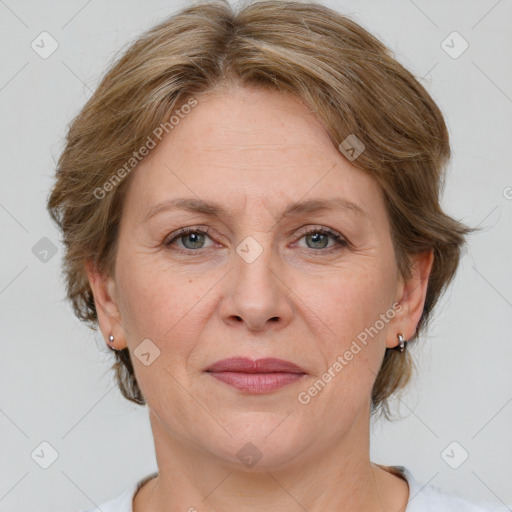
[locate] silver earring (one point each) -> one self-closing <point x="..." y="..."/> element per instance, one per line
<point x="402" y="342"/>
<point x="111" y="339"/>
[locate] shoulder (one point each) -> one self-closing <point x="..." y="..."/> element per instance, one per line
<point x="430" y="498"/>
<point x="123" y="502"/>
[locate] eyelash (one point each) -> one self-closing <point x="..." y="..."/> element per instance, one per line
<point x="340" y="241"/>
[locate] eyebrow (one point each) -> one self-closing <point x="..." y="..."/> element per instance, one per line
<point x="214" y="209"/>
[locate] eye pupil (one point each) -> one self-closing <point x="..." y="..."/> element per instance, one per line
<point x="196" y="239"/>
<point x="317" y="237"/>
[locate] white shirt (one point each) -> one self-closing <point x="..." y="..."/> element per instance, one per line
<point x="422" y="498"/>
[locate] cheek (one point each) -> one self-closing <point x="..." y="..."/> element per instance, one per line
<point x="164" y="306"/>
<point x="349" y="300"/>
<point x="158" y="303"/>
<point x="351" y="304"/>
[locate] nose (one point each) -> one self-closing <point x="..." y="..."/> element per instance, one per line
<point x="257" y="295"/>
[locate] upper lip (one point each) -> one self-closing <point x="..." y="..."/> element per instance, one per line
<point x="246" y="365"/>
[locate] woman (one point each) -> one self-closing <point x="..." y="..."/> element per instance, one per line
<point x="250" y="207"/>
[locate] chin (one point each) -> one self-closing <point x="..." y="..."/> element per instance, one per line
<point x="260" y="442"/>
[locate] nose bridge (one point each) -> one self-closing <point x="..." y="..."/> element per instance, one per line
<point x="256" y="247"/>
<point x="257" y="294"/>
<point x="255" y="261"/>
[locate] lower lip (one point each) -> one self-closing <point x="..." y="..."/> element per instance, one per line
<point x="257" y="383"/>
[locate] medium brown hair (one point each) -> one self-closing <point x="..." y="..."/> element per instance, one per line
<point x="338" y="69"/>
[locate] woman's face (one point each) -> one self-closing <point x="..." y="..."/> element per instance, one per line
<point x="259" y="284"/>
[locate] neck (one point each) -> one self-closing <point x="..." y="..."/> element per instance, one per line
<point x="341" y="478"/>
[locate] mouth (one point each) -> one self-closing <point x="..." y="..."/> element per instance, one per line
<point x="256" y="376"/>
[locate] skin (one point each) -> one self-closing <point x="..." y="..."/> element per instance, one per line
<point x="255" y="152"/>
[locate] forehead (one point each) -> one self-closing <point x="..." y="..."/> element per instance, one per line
<point x="249" y="145"/>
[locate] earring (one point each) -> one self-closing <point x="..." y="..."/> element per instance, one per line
<point x="111" y="339"/>
<point x="402" y="342"/>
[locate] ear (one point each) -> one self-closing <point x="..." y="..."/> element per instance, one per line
<point x="410" y="296"/>
<point x="105" y="300"/>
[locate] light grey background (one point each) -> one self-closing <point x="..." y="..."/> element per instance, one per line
<point x="54" y="377"/>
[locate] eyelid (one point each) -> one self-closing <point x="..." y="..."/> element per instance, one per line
<point x="341" y="240"/>
<point x="207" y="230"/>
<point x="315" y="227"/>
